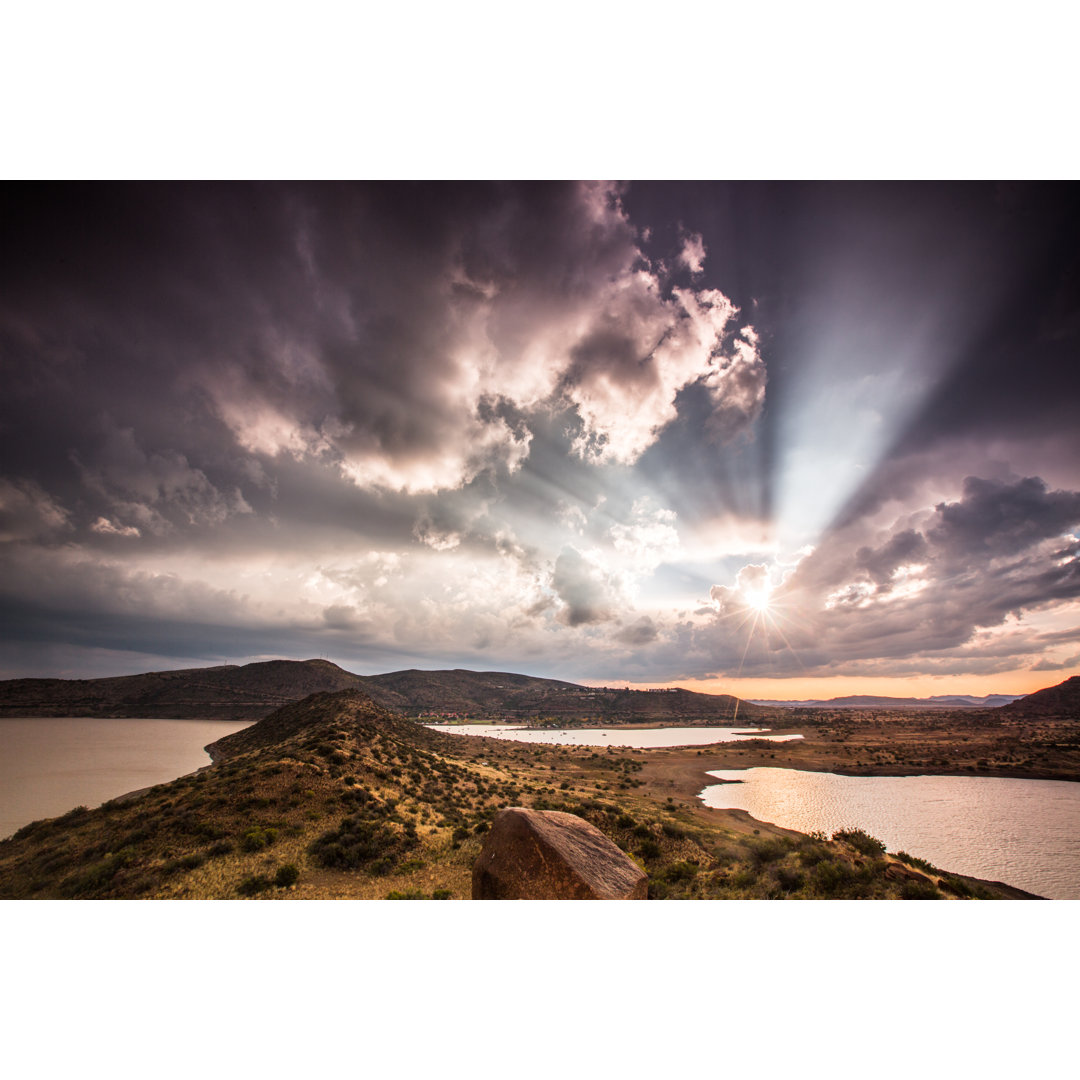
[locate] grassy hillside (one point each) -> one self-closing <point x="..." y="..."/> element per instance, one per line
<point x="336" y="797"/>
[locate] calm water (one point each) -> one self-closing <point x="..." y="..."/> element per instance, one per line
<point x="1022" y="832"/>
<point x="49" y="765"/>
<point x="643" y="738"/>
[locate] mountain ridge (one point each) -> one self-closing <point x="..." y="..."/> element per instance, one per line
<point x="871" y="701"/>
<point x="250" y="691"/>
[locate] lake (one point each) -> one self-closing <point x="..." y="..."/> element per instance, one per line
<point x="641" y="738"/>
<point x="48" y="765"/>
<point x="1025" y="833"/>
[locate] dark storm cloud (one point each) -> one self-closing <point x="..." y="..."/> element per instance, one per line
<point x="880" y="565"/>
<point x="994" y="519"/>
<point x="477" y="421"/>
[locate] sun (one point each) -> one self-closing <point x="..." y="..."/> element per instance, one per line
<point x="758" y="601"/>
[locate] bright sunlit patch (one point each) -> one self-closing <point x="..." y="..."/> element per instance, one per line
<point x="758" y="601"/>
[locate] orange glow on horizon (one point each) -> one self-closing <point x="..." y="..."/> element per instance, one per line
<point x="1009" y="682"/>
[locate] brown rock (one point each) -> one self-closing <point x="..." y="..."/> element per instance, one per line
<point x="548" y="855"/>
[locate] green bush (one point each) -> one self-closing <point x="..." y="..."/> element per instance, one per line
<point x="919" y="890"/>
<point x="649" y="849"/>
<point x="832" y="877"/>
<point x="358" y="844"/>
<point x="185" y="862"/>
<point x="788" y="879"/>
<point x="257" y="838"/>
<point x="957" y="887"/>
<point x="441" y="894"/>
<point x="768" y="850"/>
<point x="286" y="875"/>
<point x="743" y="879"/>
<point x="813" y="853"/>
<point x="680" y="871"/>
<point x="861" y="841"/>
<point x="914" y="860"/>
<point x="253" y="885"/>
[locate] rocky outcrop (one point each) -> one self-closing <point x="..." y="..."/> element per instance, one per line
<point x="548" y="855"/>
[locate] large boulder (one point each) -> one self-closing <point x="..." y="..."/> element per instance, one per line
<point x="548" y="855"/>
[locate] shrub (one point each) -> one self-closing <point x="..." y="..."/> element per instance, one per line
<point x="914" y="860"/>
<point x="222" y="847"/>
<point x="357" y="844"/>
<point x="861" y="841"/>
<point x="956" y="886"/>
<point x="812" y="854"/>
<point x="441" y="894"/>
<point x="185" y="862"/>
<point x="257" y="838"/>
<point x="919" y="890"/>
<point x="681" y="871"/>
<point x="287" y="875"/>
<point x="743" y="879"/>
<point x="408" y="894"/>
<point x="832" y="877"/>
<point x="649" y="849"/>
<point x="788" y="879"/>
<point x="250" y="886"/>
<point x="98" y="876"/>
<point x="768" y="850"/>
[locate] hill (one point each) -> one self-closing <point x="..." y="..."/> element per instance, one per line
<point x="252" y="690"/>
<point x="1061" y="701"/>
<point x="227" y="692"/>
<point x="335" y="797"/>
<point x="501" y="695"/>
<point x="864" y="701"/>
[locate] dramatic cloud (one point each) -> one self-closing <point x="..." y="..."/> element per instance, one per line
<point x="27" y="512"/>
<point x="594" y="431"/>
<point x="921" y="594"/>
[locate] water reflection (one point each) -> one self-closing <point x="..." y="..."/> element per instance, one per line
<point x="49" y="765"/>
<point x="641" y="738"/>
<point x="1025" y="833"/>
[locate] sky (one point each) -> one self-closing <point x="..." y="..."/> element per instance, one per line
<point x="781" y="440"/>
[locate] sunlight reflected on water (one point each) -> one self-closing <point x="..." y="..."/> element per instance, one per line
<point x="641" y="738"/>
<point x="1025" y="833"/>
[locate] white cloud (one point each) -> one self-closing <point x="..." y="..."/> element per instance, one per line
<point x="104" y="526"/>
<point x="692" y="255"/>
<point x="431" y="370"/>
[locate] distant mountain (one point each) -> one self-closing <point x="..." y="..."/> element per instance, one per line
<point x="228" y="692"/>
<point x="1062" y="700"/>
<point x="253" y="690"/>
<point x="501" y="695"/>
<point x="862" y="701"/>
